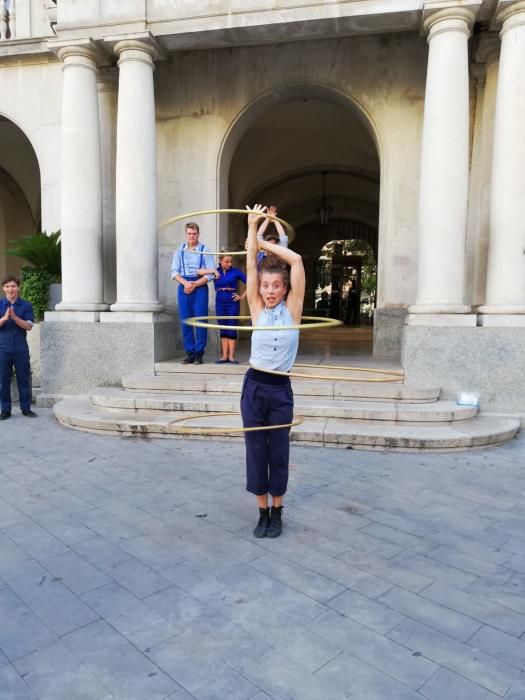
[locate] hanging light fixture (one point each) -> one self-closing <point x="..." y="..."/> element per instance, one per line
<point x="324" y="210"/>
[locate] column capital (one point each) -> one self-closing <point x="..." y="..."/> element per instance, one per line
<point x="81" y="52"/>
<point x="142" y="43"/>
<point x="449" y="15"/>
<point x="510" y="14"/>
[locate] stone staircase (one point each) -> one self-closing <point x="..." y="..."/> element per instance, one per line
<point x="347" y="414"/>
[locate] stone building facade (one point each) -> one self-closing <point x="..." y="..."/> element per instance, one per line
<point x="119" y="115"/>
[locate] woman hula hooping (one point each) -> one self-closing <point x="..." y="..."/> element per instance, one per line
<point x="275" y="297"/>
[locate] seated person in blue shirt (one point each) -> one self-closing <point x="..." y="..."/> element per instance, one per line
<point x="16" y="318"/>
<point x="275" y="297"/>
<point x="193" y="290"/>
<point x="227" y="303"/>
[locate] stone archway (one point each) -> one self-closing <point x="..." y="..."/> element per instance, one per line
<point x="290" y="146"/>
<point x="19" y="191"/>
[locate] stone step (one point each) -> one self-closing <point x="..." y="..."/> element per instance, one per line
<point x="437" y="412"/>
<point x="477" y="432"/>
<point x="222" y="383"/>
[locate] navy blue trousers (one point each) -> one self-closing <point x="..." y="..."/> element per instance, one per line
<point x="190" y="305"/>
<point x="227" y="308"/>
<point x="19" y="359"/>
<point x="267" y="451"/>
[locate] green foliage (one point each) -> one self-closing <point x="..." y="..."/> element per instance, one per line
<point x="42" y="252"/>
<point x="35" y="288"/>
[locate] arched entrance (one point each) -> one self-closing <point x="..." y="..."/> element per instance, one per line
<point x="310" y="151"/>
<point x="19" y="192"/>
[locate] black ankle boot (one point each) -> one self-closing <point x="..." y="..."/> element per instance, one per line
<point x="276" y="524"/>
<point x="264" y="520"/>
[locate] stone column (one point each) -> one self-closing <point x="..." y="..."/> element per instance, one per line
<point x="505" y="298"/>
<point x="485" y="75"/>
<point x="444" y="162"/>
<point x="136" y="180"/>
<point x="81" y="183"/>
<point x="107" y="101"/>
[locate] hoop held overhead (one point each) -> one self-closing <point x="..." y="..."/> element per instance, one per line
<point x="290" y="229"/>
<point x="199" y="322"/>
<point x="213" y="431"/>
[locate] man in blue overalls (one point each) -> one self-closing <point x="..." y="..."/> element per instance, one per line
<point x="16" y="318"/>
<point x="193" y="290"/>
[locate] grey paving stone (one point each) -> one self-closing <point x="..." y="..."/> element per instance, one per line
<point x="347" y="575"/>
<point x="63" y="526"/>
<point x="367" y="612"/>
<point x="206" y="678"/>
<point x="55" y="604"/>
<point x="138" y="578"/>
<point x="35" y="540"/>
<point x="477" y="608"/>
<point x="435" y="570"/>
<point x="472" y="564"/>
<point x="54" y="673"/>
<point x="285" y="600"/>
<point x="434" y="615"/>
<point x="10" y="552"/>
<point x="503" y="595"/>
<point x="150" y="552"/>
<point x="3" y="659"/>
<point x="106" y="525"/>
<point x="21" y="631"/>
<point x="177" y="607"/>
<point x="405" y="540"/>
<point x="451" y="685"/>
<point x="9" y="515"/>
<point x="101" y="553"/>
<point x="447" y="499"/>
<point x="12" y="687"/>
<point x="75" y="572"/>
<point x="517" y="691"/>
<point x="500" y="645"/>
<point x="304" y="580"/>
<point x="118" y="664"/>
<point x="480" y="550"/>
<point x="359" y="679"/>
<point x="281" y="678"/>
<point x="378" y="651"/>
<point x="387" y="569"/>
<point x="130" y="616"/>
<point x="485" y="670"/>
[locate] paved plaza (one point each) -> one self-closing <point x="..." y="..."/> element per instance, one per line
<point x="128" y="570"/>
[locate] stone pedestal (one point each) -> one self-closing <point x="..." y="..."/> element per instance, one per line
<point x="388" y="332"/>
<point x="490" y="361"/>
<point x="78" y="356"/>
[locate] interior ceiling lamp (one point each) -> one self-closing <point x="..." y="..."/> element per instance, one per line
<point x="324" y="210"/>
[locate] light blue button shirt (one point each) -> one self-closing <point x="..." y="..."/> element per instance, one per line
<point x="187" y="263"/>
<point x="277" y="350"/>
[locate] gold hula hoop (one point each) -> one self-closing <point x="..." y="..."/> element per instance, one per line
<point x="192" y="214"/>
<point x="214" y="431"/>
<point x="333" y="377"/>
<point x="348" y="368"/>
<point x="223" y="253"/>
<point x="198" y="322"/>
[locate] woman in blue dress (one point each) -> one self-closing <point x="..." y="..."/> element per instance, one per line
<point x="227" y="303"/>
